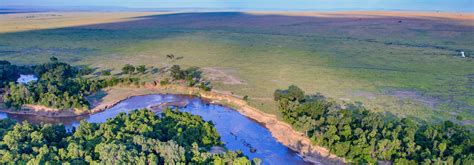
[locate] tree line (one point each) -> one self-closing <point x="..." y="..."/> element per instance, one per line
<point x="362" y="136"/>
<point x="140" y="137"/>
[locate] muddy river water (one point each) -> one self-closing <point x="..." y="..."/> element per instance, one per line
<point x="237" y="131"/>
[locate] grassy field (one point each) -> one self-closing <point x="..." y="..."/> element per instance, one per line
<point x="405" y="64"/>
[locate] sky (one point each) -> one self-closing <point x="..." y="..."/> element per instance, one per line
<point x="433" y="5"/>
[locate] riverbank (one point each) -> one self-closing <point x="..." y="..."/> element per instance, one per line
<point x="43" y="111"/>
<point x="282" y="131"/>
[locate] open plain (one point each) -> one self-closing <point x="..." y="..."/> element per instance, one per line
<point x="402" y="63"/>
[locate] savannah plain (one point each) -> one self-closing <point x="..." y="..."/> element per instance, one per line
<point x="402" y="63"/>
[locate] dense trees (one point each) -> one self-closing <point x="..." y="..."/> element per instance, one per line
<point x="141" y="137"/>
<point x="60" y="85"/>
<point x="9" y="72"/>
<point x="362" y="136"/>
<point x="5" y="125"/>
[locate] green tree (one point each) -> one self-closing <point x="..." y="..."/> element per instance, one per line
<point x="176" y="72"/>
<point x="128" y="69"/>
<point x="442" y="148"/>
<point x="106" y="73"/>
<point x="141" y="69"/>
<point x="53" y="59"/>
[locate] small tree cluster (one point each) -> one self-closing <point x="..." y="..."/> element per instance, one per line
<point x="130" y="69"/>
<point x="191" y="75"/>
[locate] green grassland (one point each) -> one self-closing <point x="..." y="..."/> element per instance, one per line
<point x="406" y="68"/>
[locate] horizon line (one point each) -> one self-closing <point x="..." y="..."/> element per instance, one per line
<point x="142" y="9"/>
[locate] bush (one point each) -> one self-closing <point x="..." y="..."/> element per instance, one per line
<point x="164" y="82"/>
<point x="128" y="69"/>
<point x="106" y="73"/>
<point x="204" y="86"/>
<point x="85" y="70"/>
<point x="141" y="69"/>
<point x="176" y="72"/>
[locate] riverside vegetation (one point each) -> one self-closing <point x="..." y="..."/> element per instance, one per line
<point x="349" y="131"/>
<point x="142" y="137"/>
<point x="59" y="85"/>
<point x="63" y="86"/>
<point x="362" y="136"/>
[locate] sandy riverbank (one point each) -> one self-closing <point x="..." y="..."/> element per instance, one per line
<point x="282" y="131"/>
<point x="43" y="111"/>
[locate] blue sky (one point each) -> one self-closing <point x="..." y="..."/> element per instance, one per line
<point x="441" y="5"/>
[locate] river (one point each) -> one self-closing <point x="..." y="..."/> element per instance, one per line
<point x="237" y="131"/>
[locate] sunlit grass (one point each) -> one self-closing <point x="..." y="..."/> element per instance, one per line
<point x="264" y="59"/>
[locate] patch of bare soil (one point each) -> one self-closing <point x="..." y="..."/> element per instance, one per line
<point x="43" y="111"/>
<point x="223" y="75"/>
